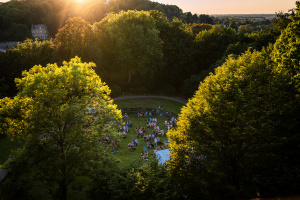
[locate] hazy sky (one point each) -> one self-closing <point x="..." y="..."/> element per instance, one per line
<point x="230" y="6"/>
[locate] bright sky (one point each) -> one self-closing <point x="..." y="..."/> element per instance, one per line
<point x="230" y="6"/>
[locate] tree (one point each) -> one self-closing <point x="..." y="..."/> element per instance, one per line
<point x="206" y="19"/>
<point x="130" y="42"/>
<point x="287" y="50"/>
<point x="178" y="52"/>
<point x="197" y="28"/>
<point x="75" y="39"/>
<point x="211" y="45"/>
<point x="237" y="136"/>
<point x="137" y="181"/>
<point x="59" y="115"/>
<point x="280" y="22"/>
<point x="23" y="57"/>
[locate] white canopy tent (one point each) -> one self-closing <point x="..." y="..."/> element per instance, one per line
<point x="163" y="156"/>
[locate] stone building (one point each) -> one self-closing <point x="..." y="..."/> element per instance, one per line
<point x="39" y="31"/>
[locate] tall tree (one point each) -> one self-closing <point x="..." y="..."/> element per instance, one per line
<point x="129" y="42"/>
<point x="74" y="39"/>
<point x="241" y="123"/>
<point x="178" y="52"/>
<point x="59" y="115"/>
<point x="211" y="45"/>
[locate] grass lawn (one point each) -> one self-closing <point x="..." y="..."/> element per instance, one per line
<point x="125" y="156"/>
<point x="169" y="105"/>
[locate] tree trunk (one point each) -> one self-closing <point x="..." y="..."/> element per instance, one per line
<point x="63" y="185"/>
<point x="129" y="77"/>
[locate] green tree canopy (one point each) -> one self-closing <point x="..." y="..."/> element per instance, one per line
<point x="237" y="134"/>
<point x="74" y="39"/>
<point x="59" y="115"/>
<point x="211" y="45"/>
<point x="130" y="42"/>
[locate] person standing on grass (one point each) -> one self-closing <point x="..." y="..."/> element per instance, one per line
<point x="136" y="142"/>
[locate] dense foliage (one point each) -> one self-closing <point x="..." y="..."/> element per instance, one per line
<point x="20" y="58"/>
<point x="59" y="115"/>
<point x="239" y="134"/>
<point x="238" y="137"/>
<point x="17" y="17"/>
<point x="165" y="57"/>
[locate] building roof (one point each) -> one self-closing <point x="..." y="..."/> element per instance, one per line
<point x="39" y="26"/>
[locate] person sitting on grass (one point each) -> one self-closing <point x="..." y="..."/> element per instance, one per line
<point x="166" y="142"/>
<point x="141" y="132"/>
<point x="158" y="141"/>
<point x="146" y="155"/>
<point x="153" y="135"/>
<point x="126" y="115"/>
<point x="131" y="146"/>
<point x="142" y="156"/>
<point x="151" y="145"/>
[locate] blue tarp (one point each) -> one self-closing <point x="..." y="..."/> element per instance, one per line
<point x="163" y="156"/>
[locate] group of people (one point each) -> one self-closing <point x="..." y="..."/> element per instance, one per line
<point x="140" y="131"/>
<point x="153" y="139"/>
<point x="170" y="124"/>
<point x="144" y="114"/>
<point x="134" y="142"/>
<point x="152" y="123"/>
<point x="125" y="129"/>
<point x="108" y="140"/>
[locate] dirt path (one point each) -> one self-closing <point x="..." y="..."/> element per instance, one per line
<point x="179" y="99"/>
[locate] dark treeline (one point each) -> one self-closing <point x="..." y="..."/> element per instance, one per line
<point x="17" y="17"/>
<point x="162" y="56"/>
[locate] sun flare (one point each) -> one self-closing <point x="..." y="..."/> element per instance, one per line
<point x="80" y="1"/>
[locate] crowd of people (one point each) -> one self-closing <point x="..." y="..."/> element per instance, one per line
<point x="150" y="135"/>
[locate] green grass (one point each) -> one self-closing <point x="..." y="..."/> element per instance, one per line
<point x="169" y="105"/>
<point x="6" y="146"/>
<point x="124" y="156"/>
